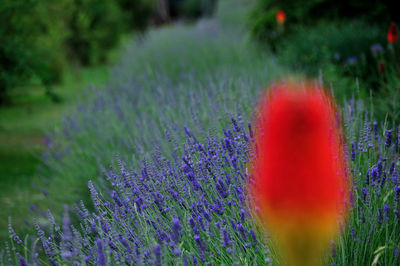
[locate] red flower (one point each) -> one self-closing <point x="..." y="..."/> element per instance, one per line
<point x="392" y="33"/>
<point x="299" y="176"/>
<point x="381" y="67"/>
<point x="280" y="17"/>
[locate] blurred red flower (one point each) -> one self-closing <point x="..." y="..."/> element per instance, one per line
<point x="381" y="67"/>
<point x="299" y="175"/>
<point x="392" y="33"/>
<point x="280" y="17"/>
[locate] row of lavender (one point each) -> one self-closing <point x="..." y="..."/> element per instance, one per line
<point x="188" y="210"/>
<point x="152" y="94"/>
<point x="173" y="78"/>
<point x="192" y="208"/>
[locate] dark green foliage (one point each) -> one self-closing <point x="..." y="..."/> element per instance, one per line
<point x="17" y="49"/>
<point x="191" y="9"/>
<point x="95" y="27"/>
<point x="137" y="13"/>
<point x="32" y="44"/>
<point x="308" y="12"/>
<point x="38" y="38"/>
<point x="51" y="21"/>
<point x="310" y="48"/>
<point x="344" y="52"/>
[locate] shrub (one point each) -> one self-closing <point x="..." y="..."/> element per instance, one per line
<point x="137" y="13"/>
<point x="52" y="20"/>
<point x="95" y="28"/>
<point x="310" y="48"/>
<point x="344" y="52"/>
<point x="31" y="44"/>
<point x="263" y="24"/>
<point x="191" y="9"/>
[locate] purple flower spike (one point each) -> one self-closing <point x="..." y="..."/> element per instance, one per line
<point x="376" y="49"/>
<point x="21" y="260"/>
<point x="157" y="254"/>
<point x="353" y="152"/>
<point x="397" y="193"/>
<point x="225" y="236"/>
<point x="101" y="260"/>
<point x="388" y="140"/>
<point x="176" y="230"/>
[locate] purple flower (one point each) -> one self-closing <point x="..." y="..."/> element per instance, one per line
<point x="367" y="178"/>
<point x="176" y="230"/>
<point x="116" y="198"/>
<point x="364" y="194"/>
<point x="21" y="260"/>
<point x="391" y="169"/>
<point x="242" y="215"/>
<point x="228" y="145"/>
<point x="376" y="49"/>
<point x="225" y="237"/>
<point x="242" y="232"/>
<point x="235" y="125"/>
<point x="112" y="245"/>
<point x="375" y="129"/>
<point x="193" y="226"/>
<point x="177" y="251"/>
<point x="333" y="248"/>
<point x="124" y="243"/>
<point x="351" y="60"/>
<point x="200" y="244"/>
<point x="380" y="216"/>
<point x="253" y="236"/>
<point x="221" y="188"/>
<point x="184" y="259"/>
<point x="101" y="260"/>
<point x="194" y="260"/>
<point x="353" y="152"/>
<point x="397" y="193"/>
<point x="250" y="131"/>
<point x="12" y="234"/>
<point x="94" y="194"/>
<point x="157" y="254"/>
<point x="386" y="209"/>
<point x="388" y="140"/>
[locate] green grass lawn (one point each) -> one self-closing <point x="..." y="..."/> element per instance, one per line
<point x="23" y="127"/>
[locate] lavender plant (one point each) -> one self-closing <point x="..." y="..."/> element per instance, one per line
<point x="187" y="210"/>
<point x="372" y="232"/>
<point x="152" y="98"/>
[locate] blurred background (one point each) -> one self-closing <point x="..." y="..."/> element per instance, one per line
<point x="51" y="50"/>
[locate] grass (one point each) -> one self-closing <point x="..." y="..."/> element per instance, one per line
<point x="23" y="128"/>
<point x="26" y="123"/>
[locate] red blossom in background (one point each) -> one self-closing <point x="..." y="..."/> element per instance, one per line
<point x="280" y="17"/>
<point x="381" y="67"/>
<point x="299" y="178"/>
<point x="392" y="33"/>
